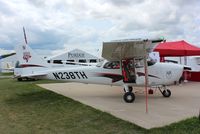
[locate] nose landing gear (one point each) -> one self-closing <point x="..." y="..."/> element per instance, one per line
<point x="166" y="92"/>
<point x="129" y="96"/>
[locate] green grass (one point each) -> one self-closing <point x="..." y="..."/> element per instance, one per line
<point x="188" y="126"/>
<point x="6" y="74"/>
<point x="26" y="108"/>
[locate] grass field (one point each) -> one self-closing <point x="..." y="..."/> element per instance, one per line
<point x="26" y="108"/>
<point x="6" y="74"/>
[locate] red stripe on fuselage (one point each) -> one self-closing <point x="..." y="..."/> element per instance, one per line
<point x="143" y="74"/>
<point x="114" y="77"/>
<point x="29" y="65"/>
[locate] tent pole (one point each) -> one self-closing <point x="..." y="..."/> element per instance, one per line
<point x="146" y="76"/>
<point x="185" y="72"/>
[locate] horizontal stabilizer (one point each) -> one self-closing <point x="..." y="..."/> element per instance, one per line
<point x="37" y="74"/>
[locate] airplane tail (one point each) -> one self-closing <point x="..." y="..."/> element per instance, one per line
<point x="28" y="58"/>
<point x="29" y="64"/>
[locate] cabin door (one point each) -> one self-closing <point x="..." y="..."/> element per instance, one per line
<point x="128" y="71"/>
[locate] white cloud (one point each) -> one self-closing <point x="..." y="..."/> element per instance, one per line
<point x="2" y="51"/>
<point x="54" y="26"/>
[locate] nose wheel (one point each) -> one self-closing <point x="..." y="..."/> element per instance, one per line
<point x="166" y="92"/>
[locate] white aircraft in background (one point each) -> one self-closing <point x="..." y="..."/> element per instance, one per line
<point x="8" y="68"/>
<point x="123" y="66"/>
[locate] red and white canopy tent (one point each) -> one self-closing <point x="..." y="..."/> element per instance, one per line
<point x="177" y="49"/>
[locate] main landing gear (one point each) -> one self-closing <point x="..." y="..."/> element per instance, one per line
<point x="129" y="96"/>
<point x="166" y="92"/>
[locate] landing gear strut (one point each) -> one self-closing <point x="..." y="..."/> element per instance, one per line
<point x="129" y="96"/>
<point x="166" y="92"/>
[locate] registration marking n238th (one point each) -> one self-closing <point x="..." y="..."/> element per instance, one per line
<point x="70" y="75"/>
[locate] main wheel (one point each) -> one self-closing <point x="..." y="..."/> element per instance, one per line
<point x="166" y="93"/>
<point x="129" y="97"/>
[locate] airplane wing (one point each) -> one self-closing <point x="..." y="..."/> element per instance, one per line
<point x="123" y="49"/>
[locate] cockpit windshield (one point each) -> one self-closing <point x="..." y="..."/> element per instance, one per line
<point x="150" y="63"/>
<point x="140" y="63"/>
<point x="112" y="65"/>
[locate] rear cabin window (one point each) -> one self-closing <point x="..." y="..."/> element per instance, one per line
<point x="112" y="65"/>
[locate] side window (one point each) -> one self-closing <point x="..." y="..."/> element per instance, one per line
<point x="139" y="63"/>
<point x="57" y="61"/>
<point x="82" y="61"/>
<point x="112" y="65"/>
<point x="70" y="60"/>
<point x="93" y="61"/>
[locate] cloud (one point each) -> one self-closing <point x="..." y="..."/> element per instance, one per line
<point x="124" y="2"/>
<point x="59" y="25"/>
<point x="2" y="51"/>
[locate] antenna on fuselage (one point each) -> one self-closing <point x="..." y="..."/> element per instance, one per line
<point x="25" y="36"/>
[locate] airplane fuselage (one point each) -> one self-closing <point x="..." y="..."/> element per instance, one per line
<point x="127" y="71"/>
<point x="158" y="74"/>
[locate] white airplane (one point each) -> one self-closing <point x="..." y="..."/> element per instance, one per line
<point x="124" y="67"/>
<point x="8" y="68"/>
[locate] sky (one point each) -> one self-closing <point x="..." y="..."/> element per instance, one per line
<point x="54" y="26"/>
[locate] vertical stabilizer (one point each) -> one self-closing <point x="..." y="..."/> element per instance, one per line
<point x="26" y="57"/>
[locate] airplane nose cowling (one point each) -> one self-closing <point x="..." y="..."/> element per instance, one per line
<point x="173" y="72"/>
<point x="178" y="71"/>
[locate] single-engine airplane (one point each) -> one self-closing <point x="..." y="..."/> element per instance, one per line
<point x="124" y="66"/>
